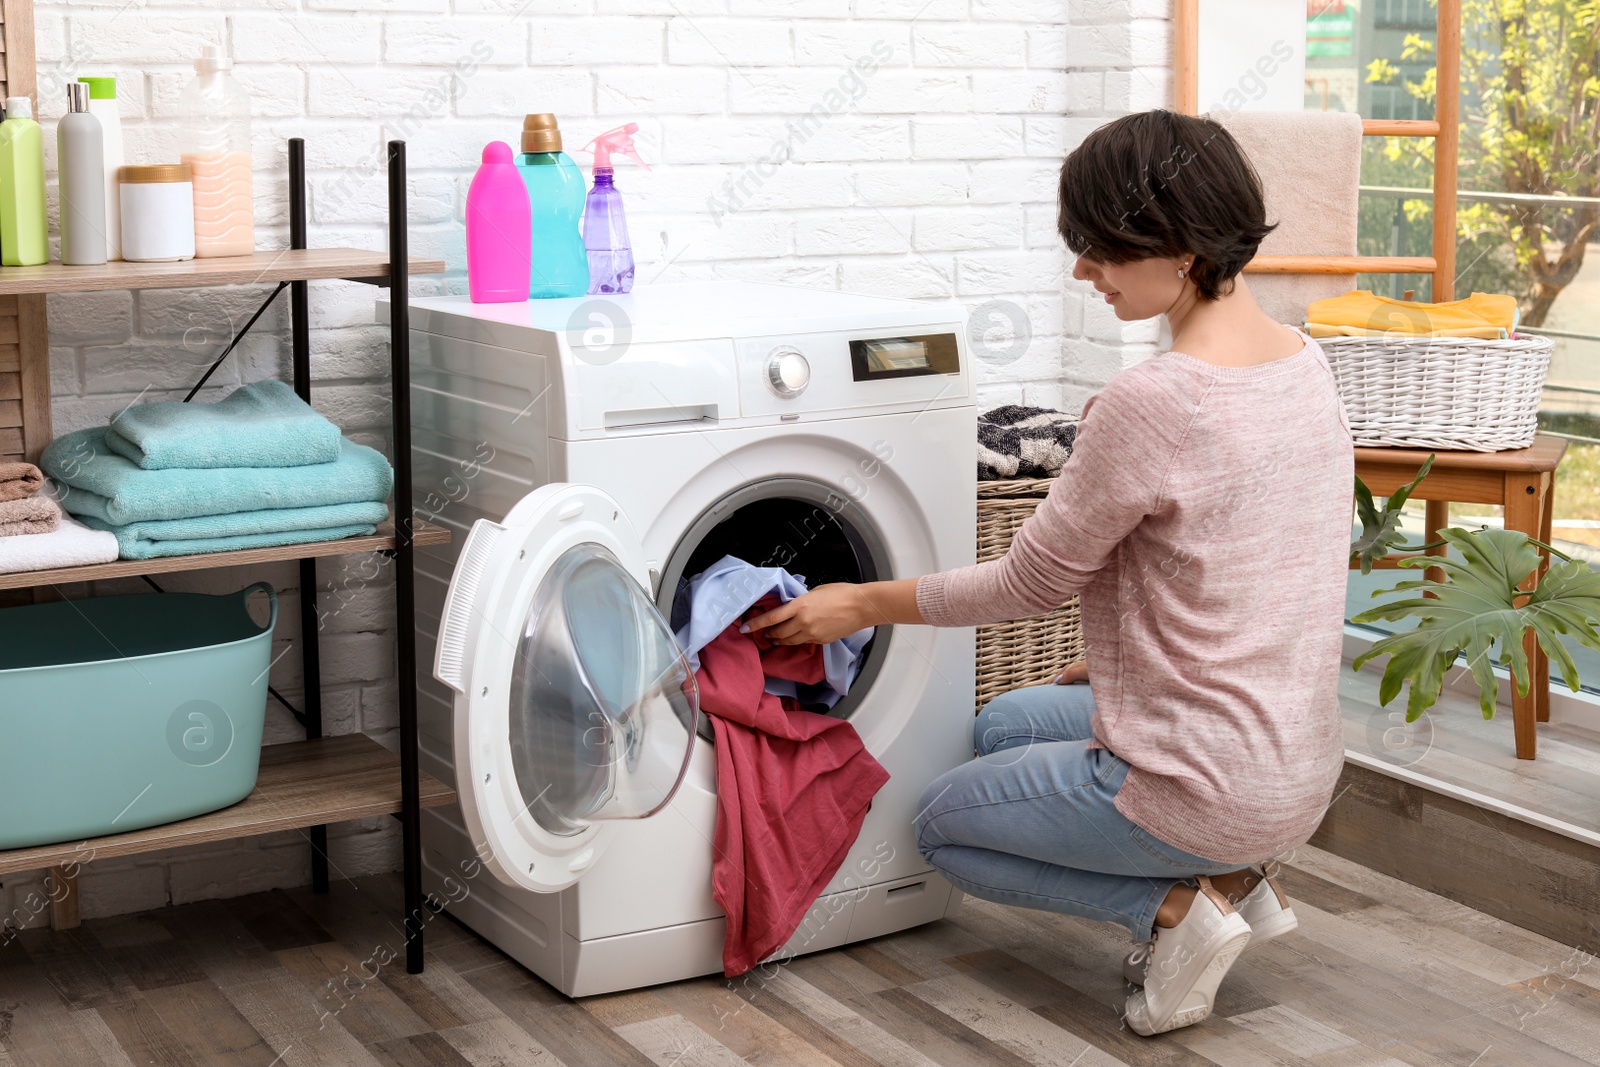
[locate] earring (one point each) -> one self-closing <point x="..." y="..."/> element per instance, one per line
<point x="1183" y="271"/>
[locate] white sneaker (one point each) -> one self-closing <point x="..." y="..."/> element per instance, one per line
<point x="1265" y="908"/>
<point x="1187" y="963"/>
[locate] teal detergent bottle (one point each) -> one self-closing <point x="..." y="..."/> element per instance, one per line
<point x="556" y="197"/>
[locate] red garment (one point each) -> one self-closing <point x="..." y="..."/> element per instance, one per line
<point x="792" y="790"/>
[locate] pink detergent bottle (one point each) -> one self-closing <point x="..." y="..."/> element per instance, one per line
<point x="499" y="230"/>
<point x="605" y="227"/>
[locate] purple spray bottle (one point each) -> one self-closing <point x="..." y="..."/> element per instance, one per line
<point x="605" y="227"/>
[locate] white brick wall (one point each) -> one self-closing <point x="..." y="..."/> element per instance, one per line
<point x="933" y="175"/>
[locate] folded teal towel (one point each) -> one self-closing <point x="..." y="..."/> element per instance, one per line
<point x="245" y="529"/>
<point x="263" y="424"/>
<point x="96" y="482"/>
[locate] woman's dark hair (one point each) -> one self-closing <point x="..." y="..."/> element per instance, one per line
<point x="1163" y="184"/>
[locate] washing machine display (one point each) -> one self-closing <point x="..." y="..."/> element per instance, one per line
<point x="872" y="358"/>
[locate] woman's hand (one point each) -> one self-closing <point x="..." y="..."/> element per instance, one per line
<point x="825" y="614"/>
<point x="1073" y="673"/>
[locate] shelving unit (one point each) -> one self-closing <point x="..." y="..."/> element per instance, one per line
<point x="302" y="785"/>
<point x="289" y="265"/>
<point x="382" y="541"/>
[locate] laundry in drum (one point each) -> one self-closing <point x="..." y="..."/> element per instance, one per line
<point x="712" y="600"/>
<point x="793" y="784"/>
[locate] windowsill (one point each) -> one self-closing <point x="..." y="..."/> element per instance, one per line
<point x="1453" y="751"/>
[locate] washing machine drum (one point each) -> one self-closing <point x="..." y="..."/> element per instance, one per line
<point x="575" y="707"/>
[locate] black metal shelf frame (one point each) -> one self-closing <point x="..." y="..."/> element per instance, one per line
<point x="404" y="552"/>
<point x="399" y="285"/>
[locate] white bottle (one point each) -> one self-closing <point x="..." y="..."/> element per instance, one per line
<point x="103" y="106"/>
<point x="215" y="142"/>
<point x="80" y="161"/>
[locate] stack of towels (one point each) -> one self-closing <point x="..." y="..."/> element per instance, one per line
<point x="34" y="535"/>
<point x="258" y="469"/>
<point x="1360" y="313"/>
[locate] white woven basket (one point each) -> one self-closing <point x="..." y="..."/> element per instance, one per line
<point x="1440" y="392"/>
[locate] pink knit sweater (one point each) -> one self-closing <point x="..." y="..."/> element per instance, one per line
<point x="1204" y="517"/>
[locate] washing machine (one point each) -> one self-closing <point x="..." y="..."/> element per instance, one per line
<point x="588" y="456"/>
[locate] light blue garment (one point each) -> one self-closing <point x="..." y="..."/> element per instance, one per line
<point x="1033" y="820"/>
<point x="96" y="482"/>
<point x="268" y="528"/>
<point x="263" y="424"/>
<point x="725" y="590"/>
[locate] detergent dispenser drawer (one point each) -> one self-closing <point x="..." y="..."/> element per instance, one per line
<point x="619" y="385"/>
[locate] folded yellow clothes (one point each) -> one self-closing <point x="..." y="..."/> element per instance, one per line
<point x="30" y="515"/>
<point x="1364" y="310"/>
<point x="1488" y="333"/>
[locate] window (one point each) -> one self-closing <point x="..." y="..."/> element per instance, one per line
<point x="1528" y="209"/>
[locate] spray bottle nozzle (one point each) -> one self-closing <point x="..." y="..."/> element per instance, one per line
<point x="617" y="140"/>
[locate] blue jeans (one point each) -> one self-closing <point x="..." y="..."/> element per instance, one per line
<point x="1031" y="821"/>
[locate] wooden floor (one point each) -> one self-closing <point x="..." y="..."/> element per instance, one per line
<point x="1381" y="975"/>
<point x="1444" y="804"/>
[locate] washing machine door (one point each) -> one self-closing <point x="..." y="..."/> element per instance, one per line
<point x="575" y="707"/>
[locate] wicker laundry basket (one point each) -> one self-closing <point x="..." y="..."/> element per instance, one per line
<point x="1440" y="392"/>
<point x="1024" y="651"/>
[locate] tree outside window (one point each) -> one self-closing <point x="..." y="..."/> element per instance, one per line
<point x="1530" y="76"/>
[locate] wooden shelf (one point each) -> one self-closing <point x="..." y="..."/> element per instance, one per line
<point x="425" y="534"/>
<point x="289" y="265"/>
<point x="302" y="783"/>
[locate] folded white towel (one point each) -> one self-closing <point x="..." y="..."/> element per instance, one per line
<point x="71" y="544"/>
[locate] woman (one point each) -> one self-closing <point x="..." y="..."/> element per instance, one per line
<point x="1204" y="518"/>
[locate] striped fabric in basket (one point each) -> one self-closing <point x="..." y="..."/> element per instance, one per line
<point x="1023" y="651"/>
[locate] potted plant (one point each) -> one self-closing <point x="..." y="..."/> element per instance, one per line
<point x="1479" y="604"/>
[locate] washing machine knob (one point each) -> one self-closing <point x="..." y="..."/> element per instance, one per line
<point x="788" y="373"/>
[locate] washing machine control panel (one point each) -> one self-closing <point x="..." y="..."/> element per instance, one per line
<point x="788" y="371"/>
<point x="924" y="366"/>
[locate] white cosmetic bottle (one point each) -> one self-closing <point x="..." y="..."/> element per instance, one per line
<point x="80" y="161"/>
<point x="103" y="106"/>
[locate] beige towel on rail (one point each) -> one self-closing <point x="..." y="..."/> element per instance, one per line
<point x="1310" y="168"/>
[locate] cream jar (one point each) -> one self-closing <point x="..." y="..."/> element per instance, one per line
<point x="157" y="213"/>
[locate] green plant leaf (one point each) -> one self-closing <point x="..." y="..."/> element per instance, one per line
<point x="1380" y="527"/>
<point x="1563" y="604"/>
<point x="1477" y="607"/>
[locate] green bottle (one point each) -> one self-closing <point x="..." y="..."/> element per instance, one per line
<point x="24" y="240"/>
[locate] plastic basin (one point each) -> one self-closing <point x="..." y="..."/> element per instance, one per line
<point x="118" y="713"/>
